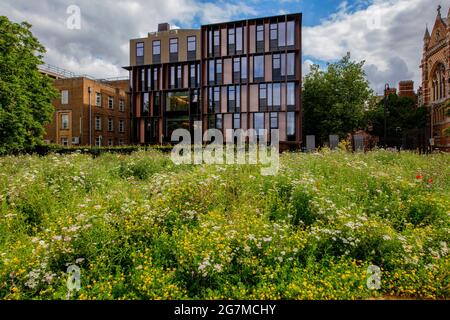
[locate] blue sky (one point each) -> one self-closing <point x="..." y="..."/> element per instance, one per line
<point x="386" y="34"/>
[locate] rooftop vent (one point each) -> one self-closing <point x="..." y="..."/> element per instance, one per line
<point x="163" y="27"/>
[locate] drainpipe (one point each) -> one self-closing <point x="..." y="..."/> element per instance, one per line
<point x="90" y="117"/>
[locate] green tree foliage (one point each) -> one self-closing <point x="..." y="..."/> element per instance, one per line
<point x="403" y="115"/>
<point x="25" y="94"/>
<point x="334" y="100"/>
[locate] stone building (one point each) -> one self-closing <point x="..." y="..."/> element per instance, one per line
<point x="435" y="91"/>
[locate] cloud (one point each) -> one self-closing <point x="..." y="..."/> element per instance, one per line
<point x="101" y="47"/>
<point x="386" y="34"/>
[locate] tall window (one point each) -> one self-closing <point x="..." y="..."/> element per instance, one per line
<point x="155" y="79"/>
<point x="239" y="40"/>
<point x="260" y="38"/>
<point x="121" y="126"/>
<point x="64" y="121"/>
<point x="231" y="41"/>
<point x="244" y="69"/>
<point x="64" y="97"/>
<point x="273" y="36"/>
<point x="276" y="99"/>
<point x="179" y="77"/>
<point x="64" y="141"/>
<point x="156" y="104"/>
<point x="258" y="68"/>
<point x="110" y="124"/>
<point x="173" y="49"/>
<point x="276" y="66"/>
<point x="290" y="65"/>
<point x="274" y="120"/>
<point x="211" y="72"/>
<point x="214" y="100"/>
<point x="290" y="34"/>
<point x="98" y="123"/>
<point x="122" y="105"/>
<point x="216" y="43"/>
<point x="173" y="77"/>
<point x="258" y="125"/>
<point x="156" y="51"/>
<point x="193" y="75"/>
<point x="439" y="83"/>
<point x="111" y="102"/>
<point x="98" y="142"/>
<point x="236" y="120"/>
<point x="236" y="69"/>
<point x="219" y="71"/>
<point x="282" y="35"/>
<point x="219" y="121"/>
<point x="290" y="128"/>
<point x="290" y="101"/>
<point x="98" y="99"/>
<point x="263" y="97"/>
<point x="234" y="99"/>
<point x="146" y="104"/>
<point x="191" y="47"/>
<point x="140" y="53"/>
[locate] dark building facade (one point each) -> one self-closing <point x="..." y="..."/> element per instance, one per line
<point x="235" y="75"/>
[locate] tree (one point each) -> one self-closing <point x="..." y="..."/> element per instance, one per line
<point x="403" y="117"/>
<point x="25" y="94"/>
<point x="334" y="100"/>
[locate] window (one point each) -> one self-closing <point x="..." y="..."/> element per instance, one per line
<point x="290" y="95"/>
<point x="219" y="121"/>
<point x="156" y="47"/>
<point x="236" y="69"/>
<point x="259" y="123"/>
<point x="64" y="121"/>
<point x="121" y="126"/>
<point x="142" y="79"/>
<point x="110" y="125"/>
<point x="273" y="36"/>
<point x="156" y="50"/>
<point x="216" y="42"/>
<point x="263" y="97"/>
<point x="290" y="126"/>
<point x="276" y="99"/>
<point x="211" y="72"/>
<point x="290" y="65"/>
<point x="243" y="68"/>
<point x="234" y="99"/>
<point x="214" y="100"/>
<point x="110" y="142"/>
<point x="276" y="66"/>
<point x="258" y="65"/>
<point x="146" y="104"/>
<point x="174" y="45"/>
<point x="282" y="34"/>
<point x="98" y="99"/>
<point x="64" y="141"/>
<point x="173" y="49"/>
<point x="192" y="44"/>
<point x="155" y="79"/>
<point x="219" y="71"/>
<point x="64" y="97"/>
<point x="98" y="141"/>
<point x="290" y="34"/>
<point x="236" y="121"/>
<point x="140" y="53"/>
<point x="260" y="38"/>
<point x="122" y="105"/>
<point x="98" y="123"/>
<point x="239" y="46"/>
<point x="193" y="75"/>
<point x="231" y="41"/>
<point x="192" y="47"/>
<point x="179" y="76"/>
<point x="111" y="102"/>
<point x="156" y="104"/>
<point x="177" y="101"/>
<point x="274" y="120"/>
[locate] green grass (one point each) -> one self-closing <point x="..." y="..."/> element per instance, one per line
<point x="139" y="227"/>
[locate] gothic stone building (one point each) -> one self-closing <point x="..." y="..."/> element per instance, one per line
<point x="436" y="79"/>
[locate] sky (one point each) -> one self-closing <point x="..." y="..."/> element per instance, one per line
<point x="386" y="34"/>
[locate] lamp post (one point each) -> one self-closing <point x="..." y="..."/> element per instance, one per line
<point x="386" y="95"/>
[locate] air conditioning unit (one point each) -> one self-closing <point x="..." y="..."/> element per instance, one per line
<point x="76" y="140"/>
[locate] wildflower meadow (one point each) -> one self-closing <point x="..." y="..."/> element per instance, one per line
<point x="140" y="227"/>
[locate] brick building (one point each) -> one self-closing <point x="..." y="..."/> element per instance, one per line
<point x="435" y="89"/>
<point x="89" y="112"/>
<point x="234" y="75"/>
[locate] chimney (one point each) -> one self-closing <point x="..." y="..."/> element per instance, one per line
<point x="163" y="27"/>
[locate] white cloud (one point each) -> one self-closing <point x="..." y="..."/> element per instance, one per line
<point x="387" y="35"/>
